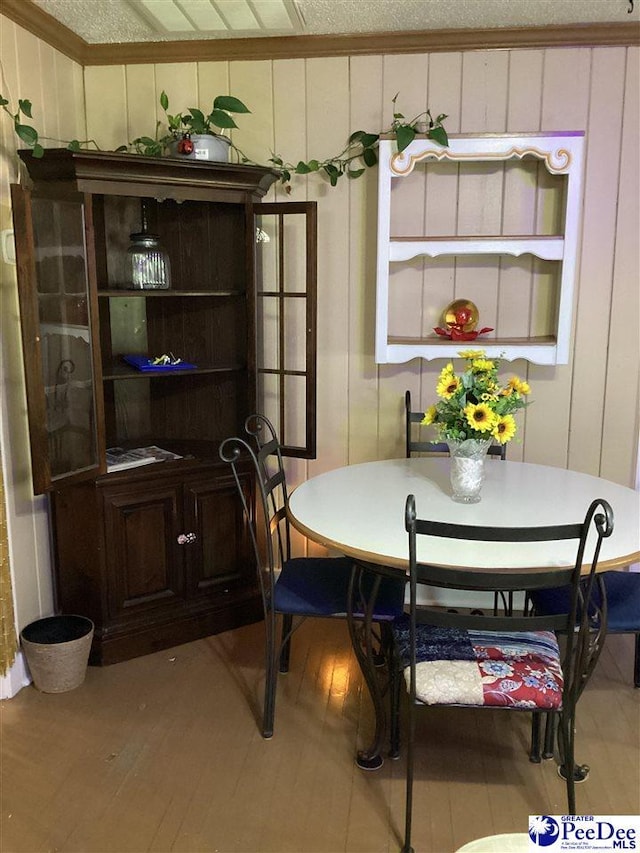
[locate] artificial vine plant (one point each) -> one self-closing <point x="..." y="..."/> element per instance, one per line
<point x="359" y="153"/>
<point x="361" y="148"/>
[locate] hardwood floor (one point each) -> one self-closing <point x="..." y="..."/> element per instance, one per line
<point x="162" y="753"/>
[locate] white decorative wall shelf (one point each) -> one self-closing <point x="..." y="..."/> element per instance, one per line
<point x="561" y="153"/>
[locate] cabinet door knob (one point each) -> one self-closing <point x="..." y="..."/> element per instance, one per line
<point x="185" y="538"/>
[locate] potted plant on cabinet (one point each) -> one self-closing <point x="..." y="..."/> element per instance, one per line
<point x="188" y="131"/>
<point x="191" y="134"/>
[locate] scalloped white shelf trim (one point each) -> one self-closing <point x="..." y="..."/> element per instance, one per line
<point x="547" y="248"/>
<point x="543" y="353"/>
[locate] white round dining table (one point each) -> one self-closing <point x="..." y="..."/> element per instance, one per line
<point x="359" y="510"/>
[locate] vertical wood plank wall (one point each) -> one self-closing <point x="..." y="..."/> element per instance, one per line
<point x="584" y="415"/>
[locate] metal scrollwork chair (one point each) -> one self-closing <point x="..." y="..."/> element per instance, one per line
<point x="510" y="661"/>
<point x="621" y="599"/>
<point x="293" y="588"/>
<point x="615" y="603"/>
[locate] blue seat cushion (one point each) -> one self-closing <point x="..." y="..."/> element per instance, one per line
<point x="319" y="586"/>
<point x="623" y="601"/>
<point x="482" y="668"/>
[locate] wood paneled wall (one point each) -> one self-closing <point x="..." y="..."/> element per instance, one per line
<point x="585" y="414"/>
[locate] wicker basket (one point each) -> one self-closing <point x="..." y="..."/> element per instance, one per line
<point x="57" y="651"/>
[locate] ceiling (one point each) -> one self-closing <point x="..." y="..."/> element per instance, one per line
<point x="135" y="21"/>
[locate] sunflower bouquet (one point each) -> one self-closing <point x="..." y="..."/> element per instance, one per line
<point x="474" y="404"/>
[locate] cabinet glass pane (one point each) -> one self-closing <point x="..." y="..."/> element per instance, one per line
<point x="282" y="334"/>
<point x="288" y="419"/>
<point x="282" y="251"/>
<point x="65" y="334"/>
<point x="286" y="322"/>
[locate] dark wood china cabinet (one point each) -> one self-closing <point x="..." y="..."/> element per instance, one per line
<point x="156" y="554"/>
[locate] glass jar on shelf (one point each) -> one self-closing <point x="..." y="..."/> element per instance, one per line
<point x="148" y="265"/>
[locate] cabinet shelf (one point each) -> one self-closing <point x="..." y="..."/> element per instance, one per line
<point x="118" y="371"/>
<point x="192" y="453"/>
<point x="549" y="248"/>
<point x="486" y="193"/>
<point x="122" y="293"/>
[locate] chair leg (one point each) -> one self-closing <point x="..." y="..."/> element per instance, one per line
<point x="285" y="647"/>
<point x="407" y="848"/>
<point x="395" y="680"/>
<point x="636" y="663"/>
<point x="270" y="675"/>
<point x="394" y="736"/>
<point x="536" y="724"/>
<point x="549" y="735"/>
<point x="270" y="684"/>
<point x="507" y="603"/>
<point x="567" y="766"/>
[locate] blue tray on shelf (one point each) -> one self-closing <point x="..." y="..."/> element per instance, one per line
<point x="141" y="362"/>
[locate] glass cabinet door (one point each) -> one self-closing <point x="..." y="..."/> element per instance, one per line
<point x="55" y="306"/>
<point x="286" y="310"/>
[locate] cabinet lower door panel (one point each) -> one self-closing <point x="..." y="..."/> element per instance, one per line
<point x="221" y="561"/>
<point x="146" y="566"/>
<point x="155" y="560"/>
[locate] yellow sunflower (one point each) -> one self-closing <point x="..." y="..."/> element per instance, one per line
<point x="446" y="372"/>
<point x="447" y="386"/>
<point x="429" y="416"/>
<point x="504" y="429"/>
<point x="482" y="365"/>
<point x="479" y="417"/>
<point x="519" y="385"/>
<point x="471" y="354"/>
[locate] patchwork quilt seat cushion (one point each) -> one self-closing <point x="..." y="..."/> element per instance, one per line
<point x="456" y="667"/>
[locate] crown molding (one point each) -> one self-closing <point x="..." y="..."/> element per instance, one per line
<point x="33" y="18"/>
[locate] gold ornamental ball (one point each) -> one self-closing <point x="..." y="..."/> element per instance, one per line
<point x="461" y="314"/>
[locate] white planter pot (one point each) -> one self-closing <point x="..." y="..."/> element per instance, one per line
<point x="206" y="147"/>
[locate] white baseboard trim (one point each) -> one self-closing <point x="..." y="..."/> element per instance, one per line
<point x="17" y="678"/>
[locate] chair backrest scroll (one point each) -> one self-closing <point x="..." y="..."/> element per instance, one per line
<point x="265" y="517"/>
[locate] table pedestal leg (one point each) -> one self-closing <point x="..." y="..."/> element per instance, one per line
<point x="580" y="771"/>
<point x="361" y="635"/>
